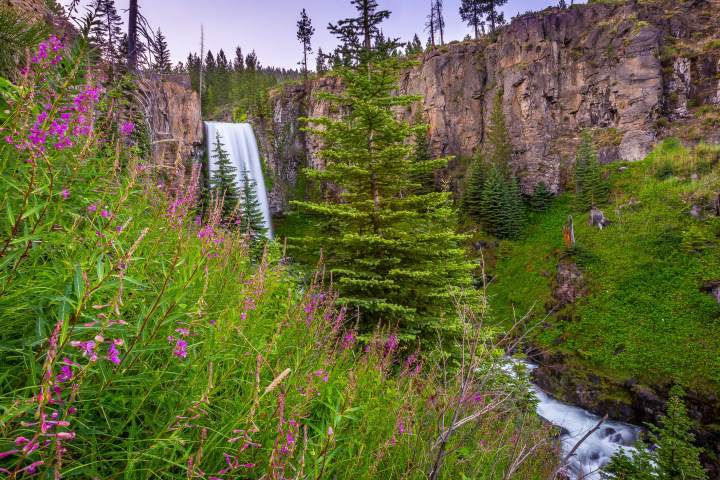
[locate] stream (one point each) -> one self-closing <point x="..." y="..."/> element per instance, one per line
<point x="574" y="422"/>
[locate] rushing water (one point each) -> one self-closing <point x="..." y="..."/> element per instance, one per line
<point x="595" y="452"/>
<point x="239" y="141"/>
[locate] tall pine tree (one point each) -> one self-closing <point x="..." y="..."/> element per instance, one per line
<point x="392" y="253"/>
<point x="107" y="29"/>
<point x="358" y="35"/>
<point x="161" y="53"/>
<point x="223" y="181"/>
<point x="471" y="12"/>
<point x="499" y="148"/>
<point x="305" y="31"/>
<point x="251" y="221"/>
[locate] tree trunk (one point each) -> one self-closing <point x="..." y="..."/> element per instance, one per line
<point x="132" y="59"/>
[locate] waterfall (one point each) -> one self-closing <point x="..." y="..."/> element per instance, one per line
<point x="239" y="141"/>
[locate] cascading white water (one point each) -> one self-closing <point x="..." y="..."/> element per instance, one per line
<point x="595" y="452"/>
<point x="239" y="141"/>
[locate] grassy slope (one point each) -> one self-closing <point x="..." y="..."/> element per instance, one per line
<point x="645" y="316"/>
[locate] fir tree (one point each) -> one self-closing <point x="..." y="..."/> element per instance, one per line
<point x="161" y="54"/>
<point x="514" y="212"/>
<point x="358" y="35"/>
<point x="305" y="31"/>
<point x="431" y="25"/>
<point x="425" y="180"/>
<point x="107" y="30"/>
<point x="223" y="180"/>
<point x="251" y="62"/>
<point x="251" y="221"/>
<point x="474" y="187"/>
<point x="239" y="62"/>
<point x="498" y="146"/>
<point x="541" y="199"/>
<point x="392" y="253"/>
<point x="676" y="456"/>
<point x="320" y="66"/>
<point x="591" y="187"/>
<point x="414" y="47"/>
<point x="494" y="203"/>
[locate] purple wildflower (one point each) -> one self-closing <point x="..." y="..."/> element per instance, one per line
<point x="65" y="193"/>
<point x="92" y="208"/>
<point x="392" y="343"/>
<point x="180" y="349"/>
<point x="127" y="128"/>
<point x="113" y="353"/>
<point x="105" y="213"/>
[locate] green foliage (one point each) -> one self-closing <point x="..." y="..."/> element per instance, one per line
<point x="591" y="187"/>
<point x="501" y="207"/>
<point x="425" y="180"/>
<point x="498" y="147"/>
<point x="223" y="182"/>
<point x="675" y="457"/>
<point x="392" y="252"/>
<point x="541" y="199"/>
<point x="17" y="34"/>
<point x="644" y="316"/>
<point x="161" y="53"/>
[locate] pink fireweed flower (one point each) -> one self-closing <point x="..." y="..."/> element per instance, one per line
<point x="391" y="344"/>
<point x="127" y="128"/>
<point x="65" y="375"/>
<point x="104" y="213"/>
<point x="65" y="193"/>
<point x="180" y="349"/>
<point x="113" y="353"/>
<point x="92" y="208"/>
<point x="88" y="349"/>
<point x="348" y="340"/>
<point x="183" y="331"/>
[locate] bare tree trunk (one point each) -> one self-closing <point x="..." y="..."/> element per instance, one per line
<point x="132" y="59"/>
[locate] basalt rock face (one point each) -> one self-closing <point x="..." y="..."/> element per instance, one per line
<point x="172" y="112"/>
<point x="615" y="67"/>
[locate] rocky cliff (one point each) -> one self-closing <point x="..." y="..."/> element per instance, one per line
<point x="172" y="112"/>
<point x="624" y="69"/>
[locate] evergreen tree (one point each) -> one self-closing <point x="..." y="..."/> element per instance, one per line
<point x="251" y="221"/>
<point x="305" y="31"/>
<point x="498" y="146"/>
<point x="161" y="54"/>
<point x="239" y="62"/>
<point x="251" y="62"/>
<point x="357" y="35"/>
<point x="320" y="66"/>
<point x="541" y="199"/>
<point x="414" y="47"/>
<point x="492" y="15"/>
<point x="424" y="180"/>
<point x="591" y="187"/>
<point x="676" y="456"/>
<point x="107" y="30"/>
<point x="392" y="253"/>
<point x="223" y="180"/>
<point x="494" y="203"/>
<point x="514" y="212"/>
<point x="471" y="12"/>
<point x="474" y="187"/>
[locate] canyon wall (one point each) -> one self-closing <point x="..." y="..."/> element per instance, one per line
<point x="173" y="118"/>
<point x="623" y="69"/>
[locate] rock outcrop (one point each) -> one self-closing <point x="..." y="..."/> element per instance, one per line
<point x="172" y="112"/>
<point x="615" y="67"/>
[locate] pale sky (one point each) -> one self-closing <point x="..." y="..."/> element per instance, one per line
<point x="269" y="26"/>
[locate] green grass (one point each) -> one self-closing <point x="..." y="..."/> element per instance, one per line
<point x="645" y="316"/>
